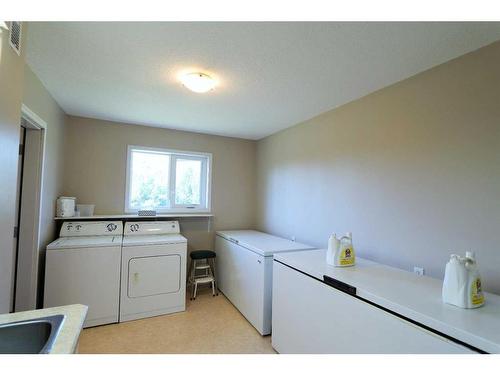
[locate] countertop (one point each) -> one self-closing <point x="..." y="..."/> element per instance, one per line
<point x="67" y="339"/>
<point x="415" y="297"/>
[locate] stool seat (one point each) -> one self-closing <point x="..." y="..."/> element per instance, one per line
<point x="202" y="254"/>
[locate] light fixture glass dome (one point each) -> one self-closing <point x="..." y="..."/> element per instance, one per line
<point x="198" y="82"/>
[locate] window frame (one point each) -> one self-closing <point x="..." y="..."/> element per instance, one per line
<point x="205" y="182"/>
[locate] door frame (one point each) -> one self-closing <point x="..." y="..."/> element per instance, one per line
<point x="27" y="267"/>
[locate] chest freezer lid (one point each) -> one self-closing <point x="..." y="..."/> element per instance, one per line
<point x="405" y="293"/>
<point x="85" y="242"/>
<point x="153" y="239"/>
<point x="262" y="243"/>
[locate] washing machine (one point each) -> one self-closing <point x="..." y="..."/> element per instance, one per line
<point x="83" y="266"/>
<point x="153" y="268"/>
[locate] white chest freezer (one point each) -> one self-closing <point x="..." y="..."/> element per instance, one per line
<point x="245" y="271"/>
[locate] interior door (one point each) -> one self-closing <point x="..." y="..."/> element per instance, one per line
<point x="20" y="165"/>
<point x="27" y="263"/>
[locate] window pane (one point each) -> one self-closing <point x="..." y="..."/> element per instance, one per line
<point x="187" y="181"/>
<point x="149" y="180"/>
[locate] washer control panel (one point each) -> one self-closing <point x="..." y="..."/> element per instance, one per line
<point x="91" y="228"/>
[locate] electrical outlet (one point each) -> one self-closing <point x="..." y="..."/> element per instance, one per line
<point x="419" y="271"/>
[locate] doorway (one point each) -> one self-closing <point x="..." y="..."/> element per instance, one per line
<point x="29" y="193"/>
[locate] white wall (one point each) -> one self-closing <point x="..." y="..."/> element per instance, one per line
<point x="11" y="87"/>
<point x="412" y="170"/>
<point x="95" y="171"/>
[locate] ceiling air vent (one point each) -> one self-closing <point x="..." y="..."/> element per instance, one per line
<point x="15" y="36"/>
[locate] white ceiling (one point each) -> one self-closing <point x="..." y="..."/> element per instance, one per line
<point x="272" y="75"/>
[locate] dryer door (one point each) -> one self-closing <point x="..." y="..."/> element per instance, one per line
<point x="154" y="275"/>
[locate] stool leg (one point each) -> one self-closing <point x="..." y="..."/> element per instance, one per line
<point x="190" y="273"/>
<point x="213" y="288"/>
<point x="195" y="290"/>
<point x="191" y="277"/>
<point x="215" y="278"/>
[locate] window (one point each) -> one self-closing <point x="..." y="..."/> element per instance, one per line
<point x="167" y="180"/>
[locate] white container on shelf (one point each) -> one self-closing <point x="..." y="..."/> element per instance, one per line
<point x="85" y="209"/>
<point x="65" y="206"/>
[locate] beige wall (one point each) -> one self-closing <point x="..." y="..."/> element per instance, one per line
<point x="95" y="170"/>
<point x="38" y="100"/>
<point x="11" y="88"/>
<point x="412" y="170"/>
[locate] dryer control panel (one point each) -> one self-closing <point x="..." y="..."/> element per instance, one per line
<point x="144" y="228"/>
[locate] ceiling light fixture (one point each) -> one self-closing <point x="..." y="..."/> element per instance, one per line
<point x="198" y="82"/>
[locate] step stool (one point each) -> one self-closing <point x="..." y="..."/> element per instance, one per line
<point x="202" y="271"/>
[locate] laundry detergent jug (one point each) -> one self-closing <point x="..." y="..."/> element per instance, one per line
<point x="333" y="246"/>
<point x="462" y="282"/>
<point x="475" y="296"/>
<point x="340" y="251"/>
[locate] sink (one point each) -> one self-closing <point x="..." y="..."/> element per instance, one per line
<point x="34" y="336"/>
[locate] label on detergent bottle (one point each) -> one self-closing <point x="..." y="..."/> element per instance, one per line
<point x="347" y="256"/>
<point x="477" y="296"/>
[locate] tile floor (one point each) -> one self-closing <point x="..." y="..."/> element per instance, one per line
<point x="209" y="325"/>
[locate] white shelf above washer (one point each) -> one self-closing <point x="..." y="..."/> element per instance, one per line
<point x="134" y="216"/>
